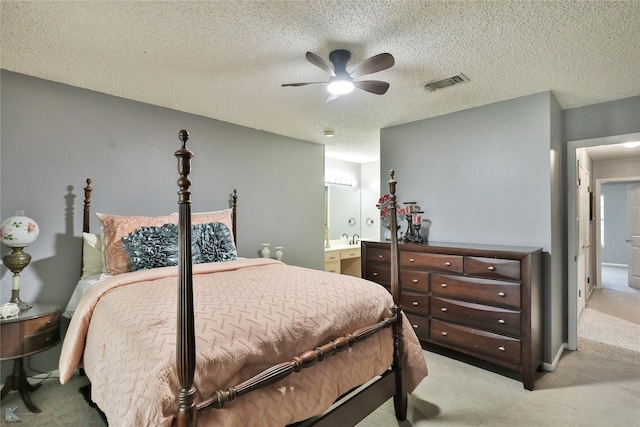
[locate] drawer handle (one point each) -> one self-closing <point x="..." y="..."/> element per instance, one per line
<point x="48" y="322"/>
<point x="443" y="285"/>
<point x="501" y="294"/>
<point x="444" y="333"/>
<point x="412" y="260"/>
<point x="444" y="309"/>
<point x="502" y="321"/>
<point x="415" y="326"/>
<point x="333" y="257"/>
<point x="375" y="273"/>
<point x="380" y="256"/>
<point x="501" y="348"/>
<point x="415" y="280"/>
<point x="491" y="268"/>
<point x="448" y="264"/>
<point x="352" y="254"/>
<point x="415" y="303"/>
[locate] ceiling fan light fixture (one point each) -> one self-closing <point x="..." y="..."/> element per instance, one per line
<point x="340" y="86"/>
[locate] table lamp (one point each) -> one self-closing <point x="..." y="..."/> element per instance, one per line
<point x="18" y="232"/>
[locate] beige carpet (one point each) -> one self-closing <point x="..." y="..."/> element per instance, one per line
<point x="610" y="325"/>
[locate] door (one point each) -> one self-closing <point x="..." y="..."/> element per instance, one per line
<point x="633" y="203"/>
<point x="583" y="237"/>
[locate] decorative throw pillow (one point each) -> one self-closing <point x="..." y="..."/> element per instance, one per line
<point x="115" y="227"/>
<point x="222" y="216"/>
<point x="152" y="247"/>
<point x="212" y="242"/>
<point x="92" y="261"/>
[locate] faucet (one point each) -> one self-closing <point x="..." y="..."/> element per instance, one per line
<point x="354" y="241"/>
<point x="344" y="235"/>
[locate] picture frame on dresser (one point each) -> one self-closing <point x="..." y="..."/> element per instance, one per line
<point x="480" y="302"/>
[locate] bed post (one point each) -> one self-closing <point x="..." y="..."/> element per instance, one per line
<point x="400" y="398"/>
<point x="185" y="341"/>
<point x="234" y="213"/>
<point x="87" y="206"/>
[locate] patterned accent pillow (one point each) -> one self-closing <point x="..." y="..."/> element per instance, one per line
<point x="153" y="247"/>
<point x="212" y="242"/>
<point x="223" y="216"/>
<point x="115" y="227"/>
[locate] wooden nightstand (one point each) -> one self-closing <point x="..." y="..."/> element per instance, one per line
<point x="32" y="331"/>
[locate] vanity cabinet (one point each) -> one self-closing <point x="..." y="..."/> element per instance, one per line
<point x="480" y="300"/>
<point x="343" y="260"/>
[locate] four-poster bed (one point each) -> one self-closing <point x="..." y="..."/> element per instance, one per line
<point x="258" y="342"/>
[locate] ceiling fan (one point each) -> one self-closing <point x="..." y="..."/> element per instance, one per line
<point x="341" y="81"/>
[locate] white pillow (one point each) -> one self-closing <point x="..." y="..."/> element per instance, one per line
<point x="92" y="259"/>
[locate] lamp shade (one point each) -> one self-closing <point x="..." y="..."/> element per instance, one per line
<point x="18" y="231"/>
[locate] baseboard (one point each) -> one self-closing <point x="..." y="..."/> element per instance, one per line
<point x="612" y="264"/>
<point x="552" y="366"/>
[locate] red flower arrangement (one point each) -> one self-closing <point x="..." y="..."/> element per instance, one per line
<point x="385" y="211"/>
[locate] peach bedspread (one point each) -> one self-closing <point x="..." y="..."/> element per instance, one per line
<point x="250" y="314"/>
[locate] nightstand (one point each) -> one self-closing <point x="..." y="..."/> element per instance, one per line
<point x="31" y="332"/>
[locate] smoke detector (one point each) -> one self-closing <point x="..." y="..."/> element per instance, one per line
<point x="449" y="81"/>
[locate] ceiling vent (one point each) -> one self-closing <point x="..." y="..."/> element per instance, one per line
<point x="449" y="81"/>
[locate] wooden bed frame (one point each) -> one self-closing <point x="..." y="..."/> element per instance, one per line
<point x="352" y="407"/>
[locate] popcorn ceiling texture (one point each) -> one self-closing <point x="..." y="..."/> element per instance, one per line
<point x="227" y="59"/>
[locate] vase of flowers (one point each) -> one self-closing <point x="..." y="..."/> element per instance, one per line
<point x="385" y="214"/>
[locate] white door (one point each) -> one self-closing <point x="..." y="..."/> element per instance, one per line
<point x="633" y="203"/>
<point x="583" y="237"/>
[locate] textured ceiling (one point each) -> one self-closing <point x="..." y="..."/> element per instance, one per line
<point x="227" y="60"/>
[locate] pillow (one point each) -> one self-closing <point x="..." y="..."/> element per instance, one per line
<point x="152" y="247"/>
<point x="115" y="227"/>
<point x="92" y="261"/>
<point x="212" y="242"/>
<point x="223" y="216"/>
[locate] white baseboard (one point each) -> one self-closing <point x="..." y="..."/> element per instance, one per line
<point x="552" y="366"/>
<point x="611" y="264"/>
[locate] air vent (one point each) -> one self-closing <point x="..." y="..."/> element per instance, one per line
<point x="450" y="81"/>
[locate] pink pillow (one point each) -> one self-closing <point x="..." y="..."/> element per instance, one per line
<point x="115" y="227"/>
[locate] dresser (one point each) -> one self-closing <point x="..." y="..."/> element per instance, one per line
<point x="32" y="331"/>
<point x="480" y="300"/>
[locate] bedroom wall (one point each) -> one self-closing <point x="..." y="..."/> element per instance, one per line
<point x="486" y="175"/>
<point x="55" y="136"/>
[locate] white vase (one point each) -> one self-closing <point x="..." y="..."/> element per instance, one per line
<point x="265" y="250"/>
<point x="279" y="253"/>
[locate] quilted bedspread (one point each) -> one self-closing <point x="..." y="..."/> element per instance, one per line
<point x="249" y="315"/>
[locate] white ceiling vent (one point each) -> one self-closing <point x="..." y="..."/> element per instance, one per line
<point x="449" y="81"/>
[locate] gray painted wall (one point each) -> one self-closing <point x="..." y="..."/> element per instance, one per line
<point x="484" y="175"/>
<point x="55" y="136"/>
<point x="616" y="229"/>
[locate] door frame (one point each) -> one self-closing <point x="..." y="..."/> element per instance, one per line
<point x="572" y="232"/>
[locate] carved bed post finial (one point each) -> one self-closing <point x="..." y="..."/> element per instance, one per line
<point x="185" y="341"/>
<point x="87" y="206"/>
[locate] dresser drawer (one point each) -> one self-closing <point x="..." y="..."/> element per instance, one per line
<point x="434" y="262"/>
<point x="33" y="326"/>
<point x="11" y="341"/>
<point x="495" y="292"/>
<point x="379" y="273"/>
<point x="420" y="325"/>
<point x="415" y="302"/>
<point x="492" y="267"/>
<point x="480" y="343"/>
<point x="480" y="316"/>
<point x="332" y="266"/>
<point x="378" y="255"/>
<point x="40" y="341"/>
<point x="414" y="279"/>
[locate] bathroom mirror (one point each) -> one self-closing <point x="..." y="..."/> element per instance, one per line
<point x="342" y="210"/>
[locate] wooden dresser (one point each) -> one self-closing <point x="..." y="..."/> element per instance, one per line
<point x="480" y="300"/>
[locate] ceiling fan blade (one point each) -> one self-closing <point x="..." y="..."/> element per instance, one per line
<point x="320" y="63"/>
<point x="374" y="64"/>
<point x="373" y="86"/>
<point x="331" y="97"/>
<point x="301" y="84"/>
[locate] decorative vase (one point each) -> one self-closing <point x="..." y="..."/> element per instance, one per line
<point x="279" y="252"/>
<point x="265" y="250"/>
